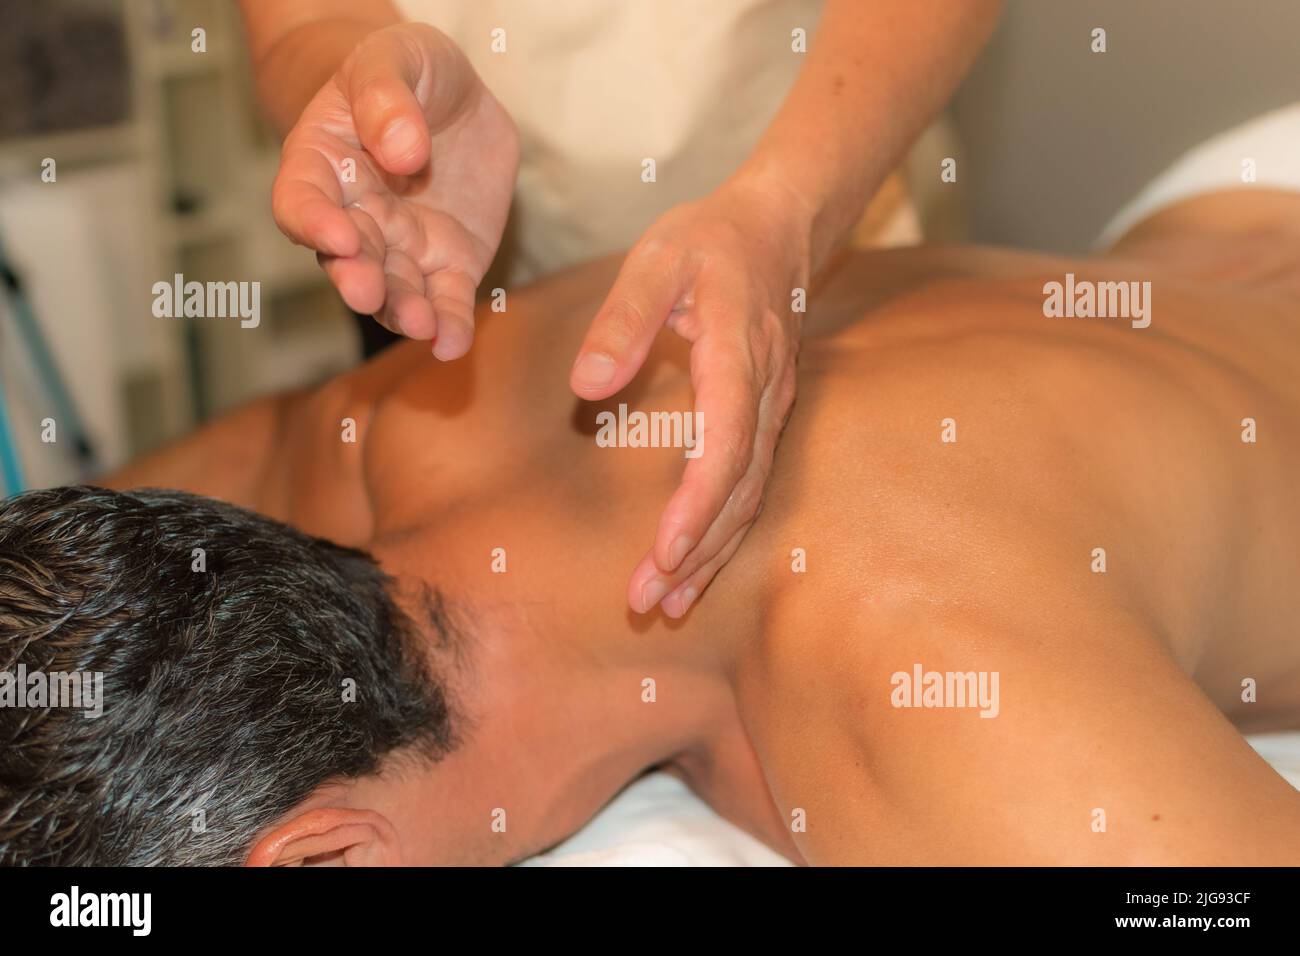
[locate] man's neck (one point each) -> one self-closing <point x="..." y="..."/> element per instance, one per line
<point x="565" y="695"/>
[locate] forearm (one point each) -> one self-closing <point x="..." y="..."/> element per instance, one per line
<point x="297" y="45"/>
<point x="876" y="74"/>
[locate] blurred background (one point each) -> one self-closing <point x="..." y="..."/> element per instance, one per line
<point x="1057" y="138"/>
<point x="163" y="166"/>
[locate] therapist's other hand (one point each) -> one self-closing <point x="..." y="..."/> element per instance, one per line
<point x="721" y="273"/>
<point x="399" y="173"/>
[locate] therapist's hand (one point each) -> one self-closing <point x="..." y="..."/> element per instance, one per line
<point x="720" y="273"/>
<point x="399" y="173"/>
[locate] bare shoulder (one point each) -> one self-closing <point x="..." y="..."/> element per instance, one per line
<point x="919" y="725"/>
<point x="987" y="548"/>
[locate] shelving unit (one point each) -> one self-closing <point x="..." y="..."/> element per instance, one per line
<point x="204" y="161"/>
<point x="216" y="162"/>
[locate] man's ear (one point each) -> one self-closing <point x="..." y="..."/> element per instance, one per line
<point x="329" y="836"/>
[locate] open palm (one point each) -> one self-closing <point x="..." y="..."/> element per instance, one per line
<point x="399" y="173"/>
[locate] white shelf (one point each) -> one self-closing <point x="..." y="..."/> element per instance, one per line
<point x="163" y="64"/>
<point x="98" y="144"/>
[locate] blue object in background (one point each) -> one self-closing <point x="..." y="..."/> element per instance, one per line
<point x="10" y="470"/>
<point x="60" y="397"/>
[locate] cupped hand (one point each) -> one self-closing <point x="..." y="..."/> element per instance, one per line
<point x="722" y="273"/>
<point x="399" y="173"/>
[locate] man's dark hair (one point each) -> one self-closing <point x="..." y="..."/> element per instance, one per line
<point x="224" y="689"/>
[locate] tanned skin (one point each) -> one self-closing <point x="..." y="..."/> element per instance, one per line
<point x="1120" y="692"/>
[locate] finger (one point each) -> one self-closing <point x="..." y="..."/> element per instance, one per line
<point x="402" y="224"/>
<point x="437" y="244"/>
<point x="650" y="583"/>
<point x="681" y="597"/>
<point x="406" y="310"/>
<point x="727" y="396"/>
<point x="307" y="201"/>
<point x="745" y="502"/>
<point x="379" y="79"/>
<point x="649" y="586"/>
<point x="648" y="287"/>
<point x="451" y="293"/>
<point x="431" y="237"/>
<point x="360" y="279"/>
<point x="742" y="508"/>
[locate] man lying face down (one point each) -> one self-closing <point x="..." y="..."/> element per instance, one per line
<point x="999" y="607"/>
<point x="228" y="694"/>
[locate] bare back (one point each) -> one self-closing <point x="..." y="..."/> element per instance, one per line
<point x="965" y="486"/>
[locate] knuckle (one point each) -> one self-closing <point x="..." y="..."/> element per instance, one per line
<point x="376" y="50"/>
<point x="623" y="320"/>
<point x="416" y="36"/>
<point x="775" y="332"/>
<point x="722" y="233"/>
<point x="659" y="250"/>
<point x="283" y="214"/>
<point x="737" y="447"/>
<point x="782" y="381"/>
<point x="786" y="389"/>
<point x="747" y="500"/>
<point x="278" y="205"/>
<point x="370" y="95"/>
<point x="763" y="338"/>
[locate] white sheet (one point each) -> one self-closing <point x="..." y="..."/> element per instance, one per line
<point x="658" y="821"/>
<point x="1282" y="751"/>
<point x="1269" y="142"/>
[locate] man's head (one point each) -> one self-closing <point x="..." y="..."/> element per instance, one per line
<point x="245" y="665"/>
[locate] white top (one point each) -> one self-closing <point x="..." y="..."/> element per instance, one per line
<point x="598" y="86"/>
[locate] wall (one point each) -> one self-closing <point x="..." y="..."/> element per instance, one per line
<point x="1056" y="138"/>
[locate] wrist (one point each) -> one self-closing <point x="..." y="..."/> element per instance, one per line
<point x="832" y="182"/>
<point x="784" y="219"/>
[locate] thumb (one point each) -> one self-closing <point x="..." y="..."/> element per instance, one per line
<point x="647" y="289"/>
<point x="379" y="80"/>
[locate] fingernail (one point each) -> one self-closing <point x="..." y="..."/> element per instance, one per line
<point x="680" y="549"/>
<point x="652" y="592"/>
<point x="594" y="370"/>
<point x="399" y="141"/>
<point x="688" y="596"/>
